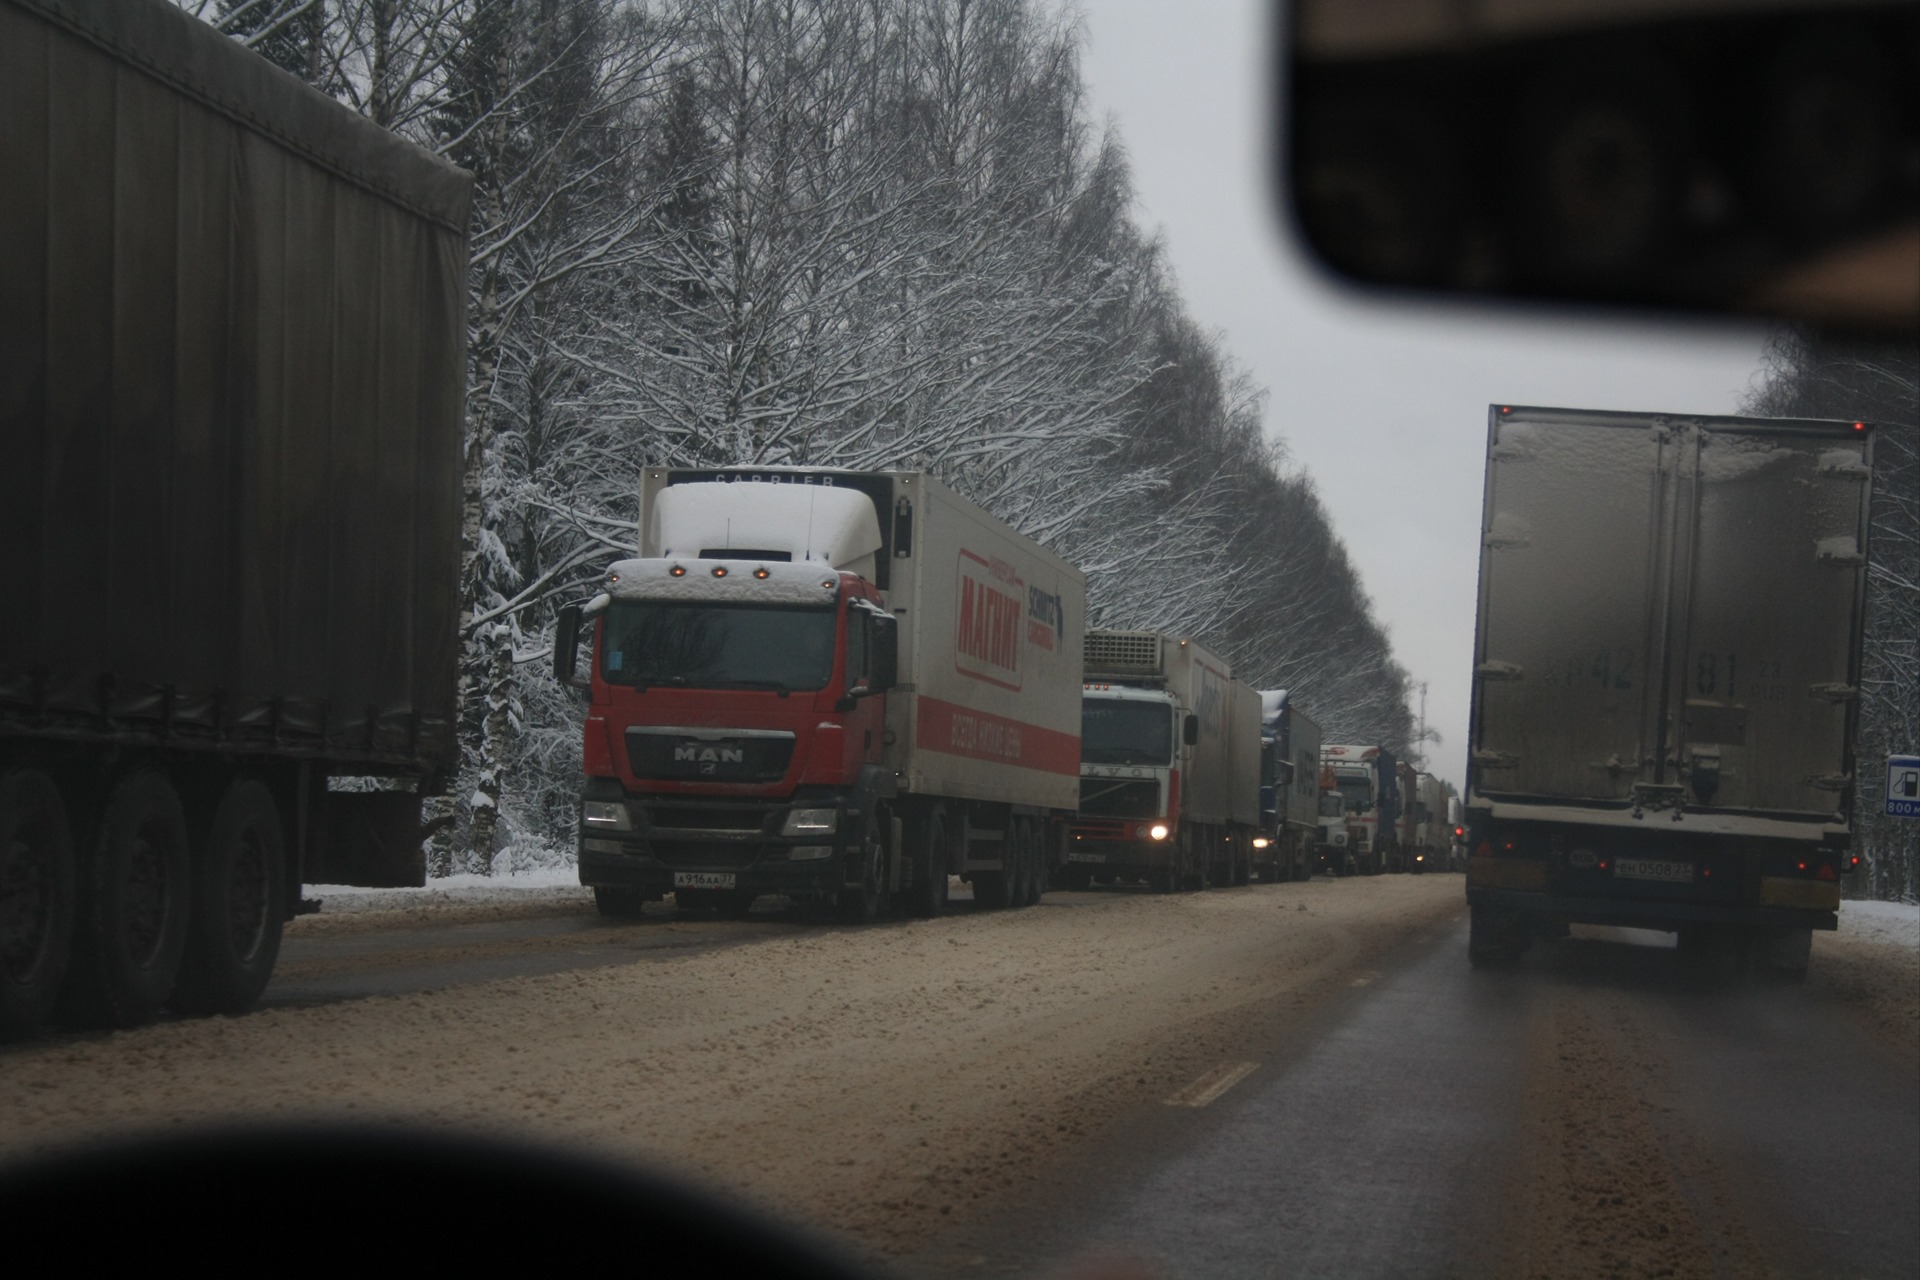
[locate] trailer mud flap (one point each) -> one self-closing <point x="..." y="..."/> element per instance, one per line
<point x="372" y="839"/>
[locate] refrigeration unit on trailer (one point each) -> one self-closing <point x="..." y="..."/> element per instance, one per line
<point x="1170" y="770"/>
<point x="1666" y="678"/>
<point x="234" y="318"/>
<point x="1289" y="789"/>
<point x="842" y="687"/>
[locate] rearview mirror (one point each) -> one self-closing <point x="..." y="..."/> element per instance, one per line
<point x="566" y="645"/>
<point x="1190" y="730"/>
<point x="885" y="654"/>
<point x="1742" y="156"/>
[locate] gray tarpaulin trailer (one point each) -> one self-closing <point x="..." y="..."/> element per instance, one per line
<point x="232" y="330"/>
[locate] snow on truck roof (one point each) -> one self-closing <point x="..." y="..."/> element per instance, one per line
<point x="690" y="579"/>
<point x="804" y="522"/>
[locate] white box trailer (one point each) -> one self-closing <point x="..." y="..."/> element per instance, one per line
<point x="1667" y="673"/>
<point x="962" y="759"/>
<point x="1189" y="812"/>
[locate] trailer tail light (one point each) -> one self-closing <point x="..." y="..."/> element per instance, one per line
<point x="1853" y="862"/>
<point x="1460" y="832"/>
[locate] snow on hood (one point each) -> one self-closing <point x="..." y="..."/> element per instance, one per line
<point x="808" y="522"/>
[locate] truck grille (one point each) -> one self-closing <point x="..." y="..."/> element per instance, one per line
<point x="716" y="756"/>
<point x="703" y="855"/>
<point x="1118" y="798"/>
<point x="1122" y="651"/>
<point x="737" y="819"/>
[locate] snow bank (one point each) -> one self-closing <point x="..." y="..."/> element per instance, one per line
<point x="550" y="882"/>
<point x="1893" y="924"/>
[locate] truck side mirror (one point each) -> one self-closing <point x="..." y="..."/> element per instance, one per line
<point x="566" y="643"/>
<point x="1190" y="731"/>
<point x="883" y="654"/>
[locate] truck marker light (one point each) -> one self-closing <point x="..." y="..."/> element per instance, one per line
<point x="1800" y="865"/>
<point x="678" y="571"/>
<point x="1606" y="864"/>
<point x="761" y="572"/>
<point x="1159" y="831"/>
<point x="719" y="571"/>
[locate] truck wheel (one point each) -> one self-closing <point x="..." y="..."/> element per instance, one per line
<point x="1493" y="937"/>
<point x="617" y="903"/>
<point x="36" y="899"/>
<point x="135" y="898"/>
<point x="1785" y="953"/>
<point x="926" y="896"/>
<point x="862" y="905"/>
<point x="239" y="888"/>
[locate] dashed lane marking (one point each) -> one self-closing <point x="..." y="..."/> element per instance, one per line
<point x="1212" y="1085"/>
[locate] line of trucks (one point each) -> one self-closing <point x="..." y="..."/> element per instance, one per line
<point x="232" y="315"/>
<point x="850" y="688"/>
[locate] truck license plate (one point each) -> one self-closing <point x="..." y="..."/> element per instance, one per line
<point x="703" y="879"/>
<point x="1074" y="855"/>
<point x="1654" y="869"/>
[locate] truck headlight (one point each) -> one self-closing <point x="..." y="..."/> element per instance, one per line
<point x="608" y="814"/>
<point x="1261" y="842"/>
<point x="811" y="822"/>
<point x="1158" y="831"/>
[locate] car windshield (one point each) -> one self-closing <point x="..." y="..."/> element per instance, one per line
<point x="350" y="400"/>
<point x="717" y="646"/>
<point x="1116" y="731"/>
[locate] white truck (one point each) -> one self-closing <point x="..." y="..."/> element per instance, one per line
<point x="841" y="687"/>
<point x="1667" y="673"/>
<point x="1170" y="765"/>
<point x="1359" y="835"/>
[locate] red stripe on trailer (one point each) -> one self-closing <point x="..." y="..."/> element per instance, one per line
<point x="955" y="730"/>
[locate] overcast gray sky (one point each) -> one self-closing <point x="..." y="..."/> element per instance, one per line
<point x="1385" y="406"/>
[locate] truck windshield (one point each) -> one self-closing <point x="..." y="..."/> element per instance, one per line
<point x="1116" y="732"/>
<point x="1331" y="805"/>
<point x="1358" y="793"/>
<point x="717" y="646"/>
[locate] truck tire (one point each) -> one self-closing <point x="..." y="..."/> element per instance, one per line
<point x="615" y="902"/>
<point x="239" y="901"/>
<point x="1493" y="937"/>
<point x="926" y="895"/>
<point x="36" y="899"/>
<point x="863" y="905"/>
<point x="134" y="904"/>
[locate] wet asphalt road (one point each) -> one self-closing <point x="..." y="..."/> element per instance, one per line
<point x="1604" y="1109"/>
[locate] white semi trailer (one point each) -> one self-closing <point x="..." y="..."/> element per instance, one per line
<point x="1170" y="770"/>
<point x="842" y="687"/>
